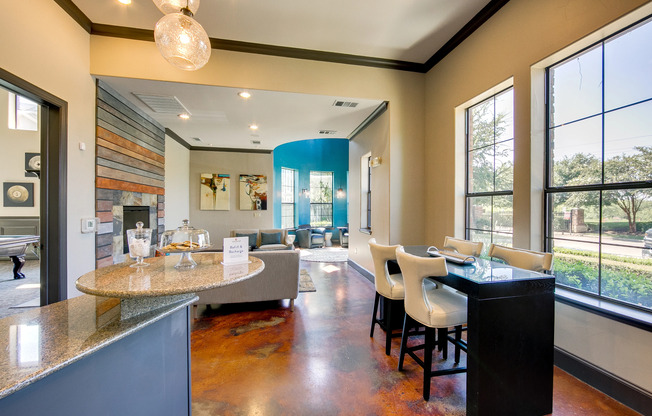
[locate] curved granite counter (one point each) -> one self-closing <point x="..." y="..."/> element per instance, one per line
<point x="77" y="356"/>
<point x="145" y="288"/>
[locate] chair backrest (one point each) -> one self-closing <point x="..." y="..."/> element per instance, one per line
<point x="466" y="247"/>
<point x="524" y="259"/>
<point x="381" y="254"/>
<point x="414" y="270"/>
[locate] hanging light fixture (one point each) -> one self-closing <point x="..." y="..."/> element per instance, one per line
<point x="181" y="40"/>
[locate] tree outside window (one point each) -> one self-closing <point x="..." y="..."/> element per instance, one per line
<point x="321" y="199"/>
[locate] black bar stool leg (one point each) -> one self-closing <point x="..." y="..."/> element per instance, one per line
<point x="442" y="334"/>
<point x="388" y="326"/>
<point x="458" y="338"/>
<point x="373" y="317"/>
<point x="404" y="338"/>
<point x="427" y="361"/>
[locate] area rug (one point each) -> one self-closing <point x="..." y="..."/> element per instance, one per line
<point x="325" y="255"/>
<point x="305" y="282"/>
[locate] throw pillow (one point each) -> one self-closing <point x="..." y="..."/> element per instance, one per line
<point x="253" y="239"/>
<point x="270" y="238"/>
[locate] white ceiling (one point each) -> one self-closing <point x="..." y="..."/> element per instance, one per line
<point x="408" y="30"/>
<point x="221" y="118"/>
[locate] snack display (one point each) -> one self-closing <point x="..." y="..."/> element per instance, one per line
<point x="184" y="240"/>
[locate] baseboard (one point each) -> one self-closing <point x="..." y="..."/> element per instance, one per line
<point x="613" y="386"/>
<point x="366" y="273"/>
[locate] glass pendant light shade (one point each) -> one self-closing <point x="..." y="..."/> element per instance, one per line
<point x="173" y="6"/>
<point x="182" y="41"/>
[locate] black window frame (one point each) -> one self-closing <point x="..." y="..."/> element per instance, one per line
<point x="293" y="172"/>
<point x="321" y="204"/>
<point x="549" y="190"/>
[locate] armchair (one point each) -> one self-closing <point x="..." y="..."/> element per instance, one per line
<point x="310" y="237"/>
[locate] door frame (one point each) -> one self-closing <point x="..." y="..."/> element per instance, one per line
<point x="53" y="196"/>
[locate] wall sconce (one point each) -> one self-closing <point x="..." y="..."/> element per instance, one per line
<point x="305" y="192"/>
<point x="374" y="162"/>
<point x="340" y="193"/>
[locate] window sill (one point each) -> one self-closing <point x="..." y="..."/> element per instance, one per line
<point x="629" y="316"/>
<point x="365" y="230"/>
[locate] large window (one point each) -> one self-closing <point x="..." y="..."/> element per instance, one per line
<point x="599" y="168"/>
<point x="321" y="199"/>
<point x="23" y="113"/>
<point x="287" y="198"/>
<point x="490" y="170"/>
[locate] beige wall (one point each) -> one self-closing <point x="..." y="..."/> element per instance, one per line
<point x="220" y="223"/>
<point x="374" y="139"/>
<point x="404" y="91"/>
<point x="44" y="46"/>
<point x="177" y="176"/>
<point x="521" y="34"/>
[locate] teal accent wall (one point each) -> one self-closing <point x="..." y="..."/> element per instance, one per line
<point x="328" y="155"/>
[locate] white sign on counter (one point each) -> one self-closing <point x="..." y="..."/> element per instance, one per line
<point x="236" y="250"/>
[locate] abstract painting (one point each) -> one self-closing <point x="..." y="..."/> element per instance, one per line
<point x="253" y="192"/>
<point x="215" y="192"/>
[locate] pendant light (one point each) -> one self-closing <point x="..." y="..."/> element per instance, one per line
<point x="181" y="40"/>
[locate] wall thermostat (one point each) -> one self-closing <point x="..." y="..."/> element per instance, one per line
<point x="89" y="225"/>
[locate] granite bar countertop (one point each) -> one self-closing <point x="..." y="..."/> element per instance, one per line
<point x="39" y="342"/>
<point x="161" y="278"/>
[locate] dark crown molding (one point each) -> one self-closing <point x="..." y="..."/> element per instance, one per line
<point x="190" y="147"/>
<point x="247" y="47"/>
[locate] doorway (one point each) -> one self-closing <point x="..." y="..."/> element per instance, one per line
<point x="49" y="219"/>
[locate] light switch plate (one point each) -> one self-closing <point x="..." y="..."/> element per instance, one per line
<point x="89" y="225"/>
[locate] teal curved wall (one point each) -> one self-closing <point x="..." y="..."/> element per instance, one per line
<point x="328" y="155"/>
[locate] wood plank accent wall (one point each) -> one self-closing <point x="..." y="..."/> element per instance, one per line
<point x="129" y="170"/>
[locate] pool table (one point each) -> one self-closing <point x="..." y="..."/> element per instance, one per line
<point x="14" y="246"/>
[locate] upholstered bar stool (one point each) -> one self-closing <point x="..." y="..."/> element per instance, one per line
<point x="389" y="286"/>
<point x="521" y="258"/>
<point x="435" y="309"/>
<point x="466" y="247"/>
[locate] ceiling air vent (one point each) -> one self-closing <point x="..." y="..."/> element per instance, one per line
<point x="330" y="132"/>
<point x="338" y="103"/>
<point x="197" y="139"/>
<point x="163" y="104"/>
<point x="255" y="142"/>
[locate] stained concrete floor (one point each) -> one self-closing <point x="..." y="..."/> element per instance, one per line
<point x="262" y="359"/>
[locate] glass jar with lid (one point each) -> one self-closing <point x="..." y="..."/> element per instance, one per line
<point x="184" y="240"/>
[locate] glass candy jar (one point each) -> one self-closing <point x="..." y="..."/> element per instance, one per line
<point x="184" y="240"/>
<point x="139" y="241"/>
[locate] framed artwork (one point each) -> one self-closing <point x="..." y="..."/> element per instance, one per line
<point x="32" y="165"/>
<point x="253" y="192"/>
<point x="214" y="192"/>
<point x="18" y="194"/>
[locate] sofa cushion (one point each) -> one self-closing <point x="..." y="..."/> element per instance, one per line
<point x="269" y="247"/>
<point x="253" y="238"/>
<point x="270" y="238"/>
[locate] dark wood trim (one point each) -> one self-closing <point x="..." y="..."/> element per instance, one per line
<point x="372" y="117"/>
<point x="54" y="171"/>
<point x="263" y="49"/>
<point x="297" y="53"/>
<point x="364" y="272"/>
<point x="229" y="149"/>
<point x="177" y="138"/>
<point x="73" y="11"/>
<point x="478" y="20"/>
<point x="609" y="384"/>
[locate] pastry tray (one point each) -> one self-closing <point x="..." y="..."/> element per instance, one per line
<point x="183" y="250"/>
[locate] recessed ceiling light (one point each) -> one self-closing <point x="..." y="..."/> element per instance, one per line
<point x="184" y="116"/>
<point x="253" y="127"/>
<point x="125" y="1"/>
<point x="244" y="94"/>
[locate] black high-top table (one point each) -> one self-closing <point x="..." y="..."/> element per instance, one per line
<point x="510" y="336"/>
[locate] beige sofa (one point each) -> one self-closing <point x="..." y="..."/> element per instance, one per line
<point x="260" y="237"/>
<point x="278" y="280"/>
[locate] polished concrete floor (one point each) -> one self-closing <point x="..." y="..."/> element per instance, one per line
<point x="262" y="359"/>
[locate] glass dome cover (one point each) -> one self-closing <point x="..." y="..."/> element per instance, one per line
<point x="184" y="238"/>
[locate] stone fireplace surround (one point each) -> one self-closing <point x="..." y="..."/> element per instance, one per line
<point x="110" y="236"/>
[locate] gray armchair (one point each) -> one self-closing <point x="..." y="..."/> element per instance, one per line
<point x="310" y="237"/>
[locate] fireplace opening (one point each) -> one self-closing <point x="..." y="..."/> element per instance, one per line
<point x="130" y="216"/>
